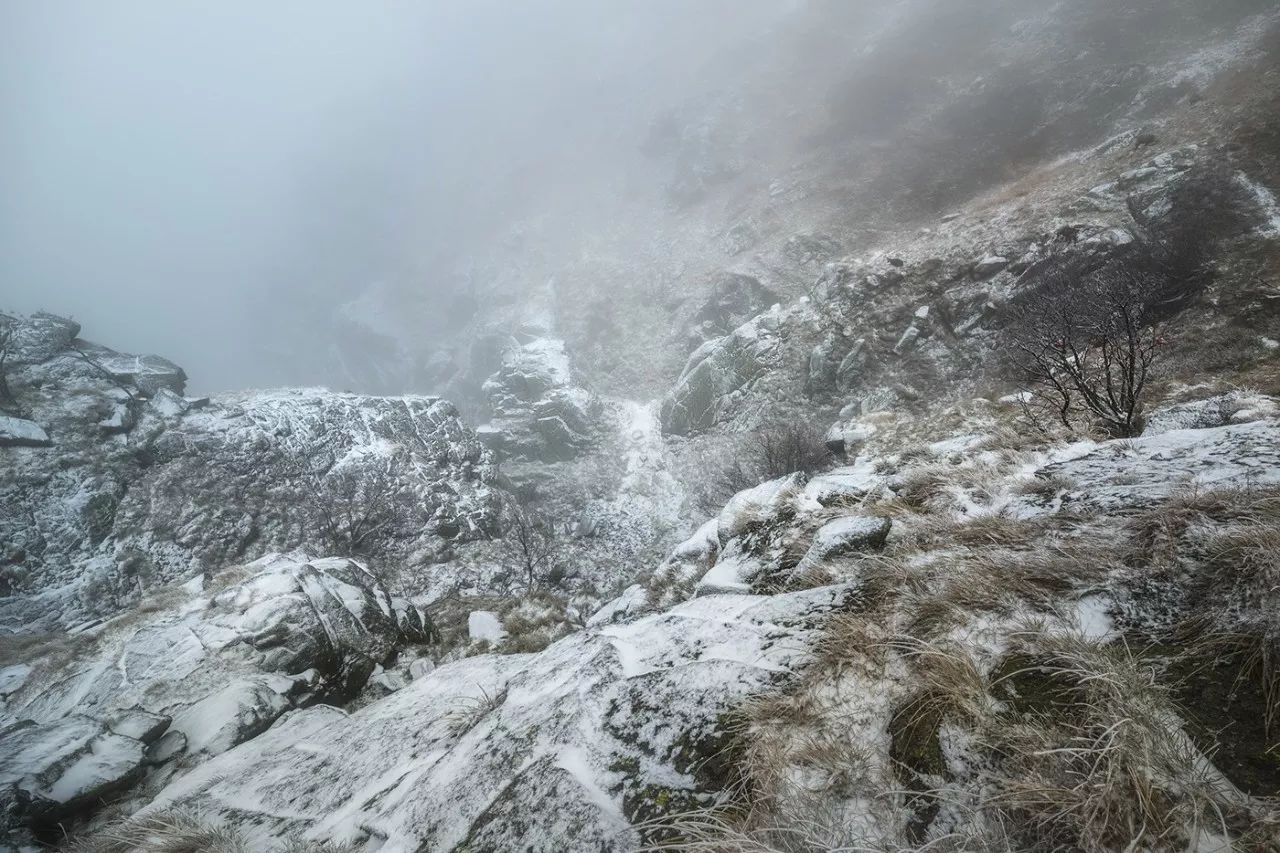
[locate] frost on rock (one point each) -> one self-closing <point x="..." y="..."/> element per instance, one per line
<point x="139" y="485"/>
<point x="715" y="371"/>
<point x="539" y="413"/>
<point x="50" y="770"/>
<point x="17" y="432"/>
<point x="848" y="535"/>
<point x="1140" y="471"/>
<point x="561" y="750"/>
<point x="196" y="676"/>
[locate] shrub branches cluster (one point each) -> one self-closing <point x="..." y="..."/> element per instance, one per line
<point x="774" y="450"/>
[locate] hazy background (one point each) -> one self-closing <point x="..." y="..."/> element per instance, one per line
<point x="209" y="180"/>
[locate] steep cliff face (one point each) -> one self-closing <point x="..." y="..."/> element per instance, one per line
<point x="127" y="485"/>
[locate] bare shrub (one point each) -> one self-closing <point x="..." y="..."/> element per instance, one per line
<point x="1083" y="347"/>
<point x="356" y="507"/>
<point x="530" y="543"/>
<point x="772" y="451"/>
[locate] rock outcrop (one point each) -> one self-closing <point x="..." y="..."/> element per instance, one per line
<point x="114" y="482"/>
<point x="189" y="675"/>
<point x="539" y="413"/>
<point x="569" y="749"/>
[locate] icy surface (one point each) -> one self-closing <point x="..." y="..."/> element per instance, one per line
<point x="530" y="752"/>
<point x="16" y="431"/>
<point x="1141" y="470"/>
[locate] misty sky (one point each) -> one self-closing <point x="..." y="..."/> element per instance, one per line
<point x="208" y="180"/>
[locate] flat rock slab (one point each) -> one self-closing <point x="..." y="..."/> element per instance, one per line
<point x="16" y="432"/>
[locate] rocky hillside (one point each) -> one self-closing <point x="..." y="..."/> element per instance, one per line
<point x="917" y="487"/>
<point x="116" y="483"/>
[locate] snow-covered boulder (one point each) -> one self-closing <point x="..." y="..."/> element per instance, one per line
<point x="38" y="337"/>
<point x="18" y="432"/>
<point x="849" y="534"/>
<point x="716" y="370"/>
<point x="53" y="769"/>
<point x="539" y="412"/>
<point x="195" y="673"/>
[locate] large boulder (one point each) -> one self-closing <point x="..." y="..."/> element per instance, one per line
<point x="38" y="337"/>
<point x="52" y="770"/>
<point x="539" y="412"/>
<point x="148" y="373"/>
<point x="716" y="370"/>
<point x="19" y="432"/>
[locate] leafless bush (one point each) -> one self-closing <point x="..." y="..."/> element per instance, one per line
<point x="354" y="507"/>
<point x="1083" y="348"/>
<point x="530" y="543"/>
<point x="773" y="451"/>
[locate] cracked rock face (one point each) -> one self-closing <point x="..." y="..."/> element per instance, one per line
<point x="539" y="413"/>
<point x="113" y="482"/>
<point x="190" y="676"/>
<point x="717" y="370"/>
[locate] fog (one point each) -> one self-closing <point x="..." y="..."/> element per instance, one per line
<point x="208" y="181"/>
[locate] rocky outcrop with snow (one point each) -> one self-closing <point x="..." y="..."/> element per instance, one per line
<point x="568" y="749"/>
<point x="539" y="413"/>
<point x="112" y="482"/>
<point x="188" y="675"/>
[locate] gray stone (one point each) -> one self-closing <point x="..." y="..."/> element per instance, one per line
<point x="714" y="372"/>
<point x="851" y="534"/>
<point x="989" y="266"/>
<point x="139" y="724"/>
<point x="53" y="769"/>
<point x="849" y="372"/>
<point x="18" y="432"/>
<point x="39" y="337"/>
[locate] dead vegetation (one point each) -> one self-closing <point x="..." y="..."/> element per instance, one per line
<point x="1008" y="721"/>
<point x="182" y="832"/>
<point x="774" y="450"/>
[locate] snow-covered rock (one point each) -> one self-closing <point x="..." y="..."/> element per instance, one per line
<point x="485" y="625"/>
<point x="1142" y="470"/>
<point x="562" y="750"/>
<point x="133" y="494"/>
<point x="539" y="412"/>
<point x="17" y="432"/>
<point x="51" y="770"/>
<point x="849" y="534"/>
<point x="194" y="675"/>
<point x="715" y="370"/>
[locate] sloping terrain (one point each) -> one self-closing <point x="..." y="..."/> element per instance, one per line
<point x="765" y="535"/>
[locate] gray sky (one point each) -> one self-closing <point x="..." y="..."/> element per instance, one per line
<point x="207" y="180"/>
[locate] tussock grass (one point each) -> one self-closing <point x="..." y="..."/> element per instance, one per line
<point x="182" y="832"/>
<point x="1109" y="769"/>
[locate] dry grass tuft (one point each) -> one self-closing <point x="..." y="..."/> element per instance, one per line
<point x="181" y="832"/>
<point x="1109" y="768"/>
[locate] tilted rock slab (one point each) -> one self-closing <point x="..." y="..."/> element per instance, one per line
<point x="562" y="750"/>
